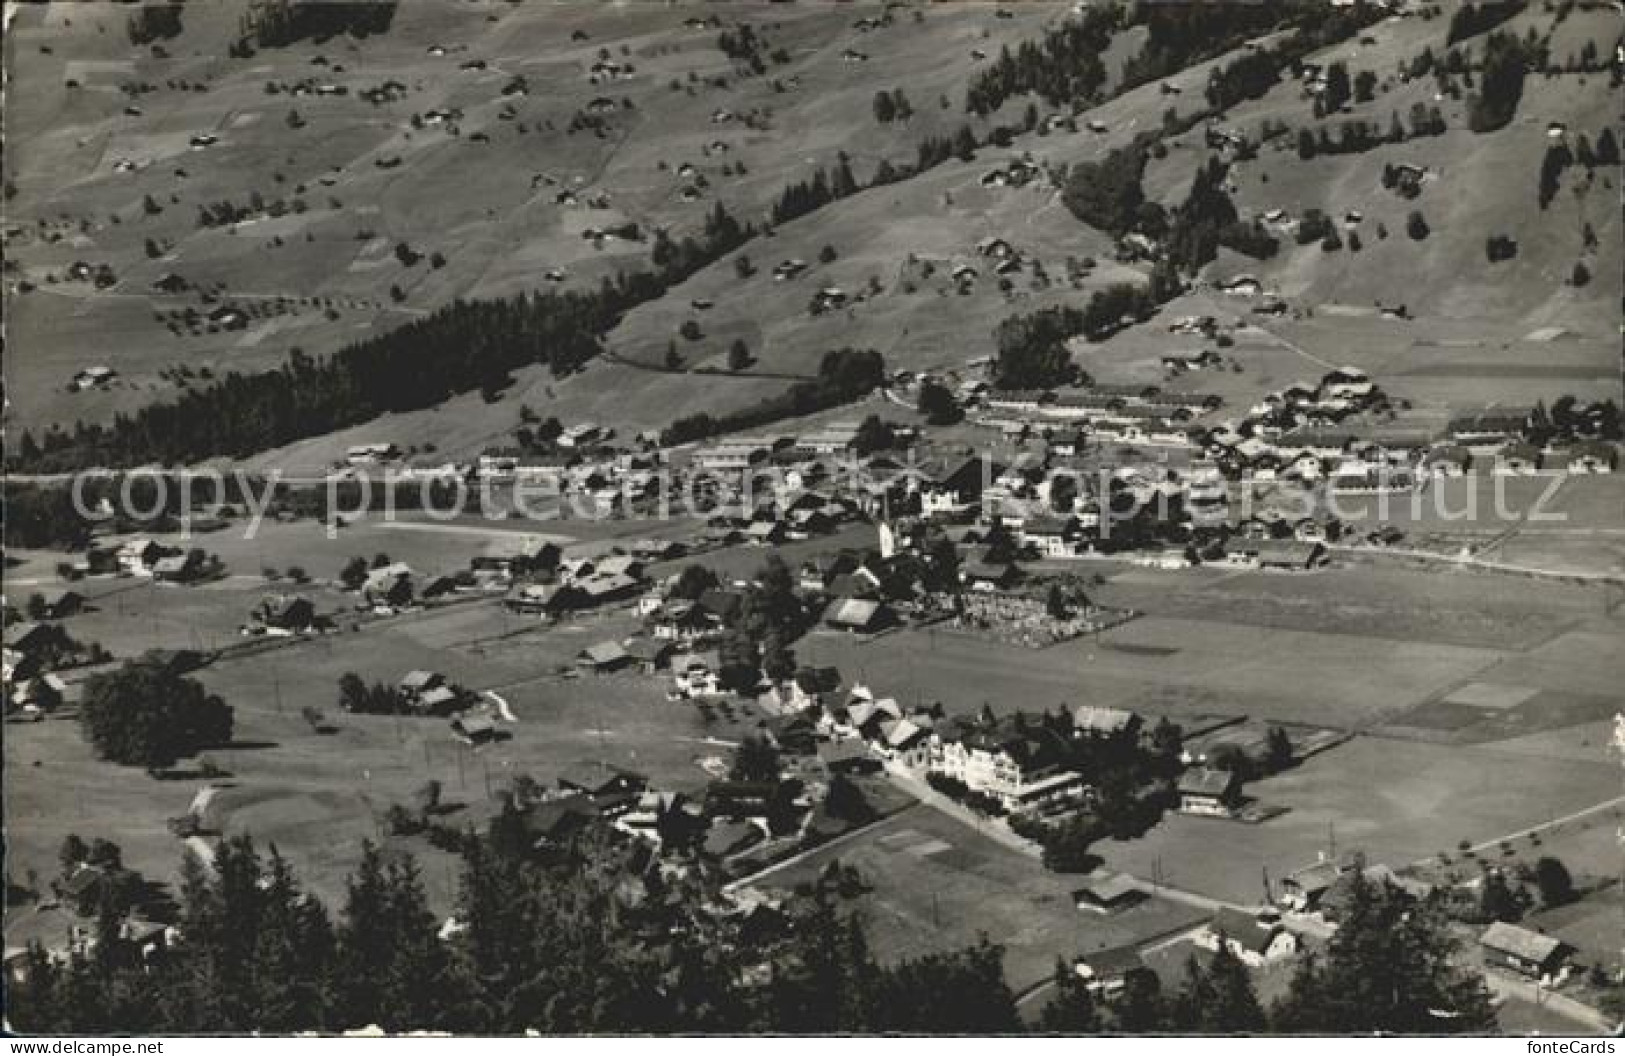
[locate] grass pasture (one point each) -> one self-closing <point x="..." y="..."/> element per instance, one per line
<point x="1397" y="801"/>
<point x="317" y="795"/>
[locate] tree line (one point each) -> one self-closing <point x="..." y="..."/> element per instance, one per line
<point x="589" y="940"/>
<point x="279" y="23"/>
<point x="843" y="376"/>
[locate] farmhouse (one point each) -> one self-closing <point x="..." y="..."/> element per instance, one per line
<point x="1105" y="972"/>
<point x="1050" y="536"/>
<point x="1518" y="459"/>
<point x="1214" y="793"/>
<point x="649" y="654"/>
<point x="848" y="756"/>
<point x="860" y="615"/>
<point x="371" y="454"/>
<point x="552" y="822"/>
<point x="540" y="599"/>
<point x="1105" y="722"/>
<point x="179" y="568"/>
<point x="1254" y="941"/>
<point x="1522" y="951"/>
<point x="388" y="585"/>
<point x="680" y="621"/>
<point x="288" y="613"/>
<point x="137" y="556"/>
<point x="60" y="604"/>
<point x="92" y="378"/>
<point x="725" y="839"/>
<point x="1302" y="889"/>
<point x="604" y="657"/>
<point x="1448" y="460"/>
<point x="1109" y="893"/>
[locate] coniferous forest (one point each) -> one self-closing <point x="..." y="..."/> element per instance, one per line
<point x="591" y="937"/>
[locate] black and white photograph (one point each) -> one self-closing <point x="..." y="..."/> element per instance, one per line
<point x="622" y="520"/>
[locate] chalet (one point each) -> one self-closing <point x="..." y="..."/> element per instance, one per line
<point x="1214" y="793"/>
<point x="811" y="685"/>
<point x="604" y="657"/>
<point x="1241" y="286"/>
<point x="1104" y="722"/>
<point x="289" y="613"/>
<point x="1105" y="972"/>
<point x="388" y="585"/>
<point x="1302" y="889"/>
<point x="1179" y="363"/>
<point x="1287" y="555"/>
<point x="618" y="565"/>
<point x="1254" y="941"/>
<point x="1518" y="459"/>
<point x="828" y="299"/>
<point x="414" y="684"/>
<point x="1107" y="892"/>
<point x="137" y="556"/>
<point x="438" y="700"/>
<point x="954" y="487"/>
<point x="859" y="615"/>
<point x="552" y="822"/>
<point x="474" y="728"/>
<point x="680" y="621"/>
<point x="1050" y="536"/>
<point x="519" y="555"/>
<point x="541" y="599"/>
<point x="1448" y="460"/>
<point x="901" y="737"/>
<point x="649" y="654"/>
<point x="1523" y="951"/>
<point x="728" y="838"/>
<point x="179" y="568"/>
<point x="580" y="435"/>
<point x="1589" y="456"/>
<point x="653" y="815"/>
<point x="603" y="782"/>
<point x="61" y="604"/>
<point x="848" y="756"/>
<point x="371" y="454"/>
<point x="602" y="588"/>
<point x="989" y="576"/>
<point x="695" y="676"/>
